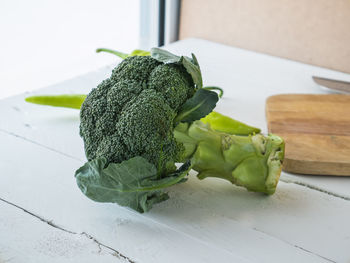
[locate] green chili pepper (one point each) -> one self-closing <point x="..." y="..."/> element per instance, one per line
<point x="73" y="101"/>
<point x="136" y="52"/>
<point x="222" y="123"/>
<point x="114" y="52"/>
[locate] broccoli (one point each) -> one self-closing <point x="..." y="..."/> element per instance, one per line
<point x="152" y="113"/>
<point x="132" y="113"/>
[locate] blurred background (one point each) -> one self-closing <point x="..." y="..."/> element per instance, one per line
<point x="45" y="42"/>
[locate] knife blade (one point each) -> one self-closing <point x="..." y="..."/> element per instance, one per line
<point x="338" y="85"/>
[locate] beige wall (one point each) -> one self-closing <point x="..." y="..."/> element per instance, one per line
<point x="311" y="31"/>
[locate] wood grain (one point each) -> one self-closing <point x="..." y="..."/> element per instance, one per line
<point x="316" y="129"/>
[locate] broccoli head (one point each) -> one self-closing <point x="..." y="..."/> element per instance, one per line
<point x="132" y="113"/>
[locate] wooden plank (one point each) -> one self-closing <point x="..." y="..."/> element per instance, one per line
<point x="206" y="220"/>
<point x="25" y="238"/>
<point x="44" y="185"/>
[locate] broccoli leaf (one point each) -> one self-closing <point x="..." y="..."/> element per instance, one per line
<point x="164" y="56"/>
<point x="220" y="90"/>
<point x="197" y="107"/>
<point x="131" y="183"/>
<point x="193" y="69"/>
<point x="191" y="65"/>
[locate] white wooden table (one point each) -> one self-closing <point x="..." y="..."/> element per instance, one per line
<point x="45" y="218"/>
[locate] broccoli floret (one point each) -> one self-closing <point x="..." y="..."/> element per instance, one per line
<point x="146" y="128"/>
<point x="132" y="113"/>
<point x="172" y="81"/>
<point x="135" y="68"/>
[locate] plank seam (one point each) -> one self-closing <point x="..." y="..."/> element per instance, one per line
<point x="315" y="254"/>
<point x="254" y="229"/>
<point x="298" y="247"/>
<point x="41" y="145"/>
<point x="115" y="253"/>
<point x="267" y="234"/>
<point x="315" y="188"/>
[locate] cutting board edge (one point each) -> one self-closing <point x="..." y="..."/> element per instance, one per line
<point x="316" y="168"/>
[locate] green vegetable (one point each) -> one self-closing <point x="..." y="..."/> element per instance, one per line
<point x="133" y="114"/>
<point x="225" y="124"/>
<point x="191" y="65"/>
<point x="136" y="52"/>
<point x="114" y="52"/>
<point x="68" y="101"/>
<point x="221" y="91"/>
<point x="202" y="102"/>
<point x="154" y="112"/>
<point x="133" y="183"/>
<point x="252" y="161"/>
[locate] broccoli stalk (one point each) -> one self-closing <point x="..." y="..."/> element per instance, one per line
<point x="252" y="161"/>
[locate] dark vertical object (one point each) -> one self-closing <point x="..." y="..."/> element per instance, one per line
<point x="178" y="19"/>
<point x="161" y="22"/>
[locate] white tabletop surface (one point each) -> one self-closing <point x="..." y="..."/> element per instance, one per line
<point x="45" y="218"/>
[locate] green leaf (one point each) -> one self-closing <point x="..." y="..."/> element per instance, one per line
<point x="193" y="70"/>
<point x="191" y="65"/>
<point x="194" y="59"/>
<point x="164" y="56"/>
<point x="221" y="91"/>
<point x="132" y="183"/>
<point x="197" y="107"/>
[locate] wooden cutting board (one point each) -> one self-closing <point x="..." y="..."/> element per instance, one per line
<point x="316" y="129"/>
